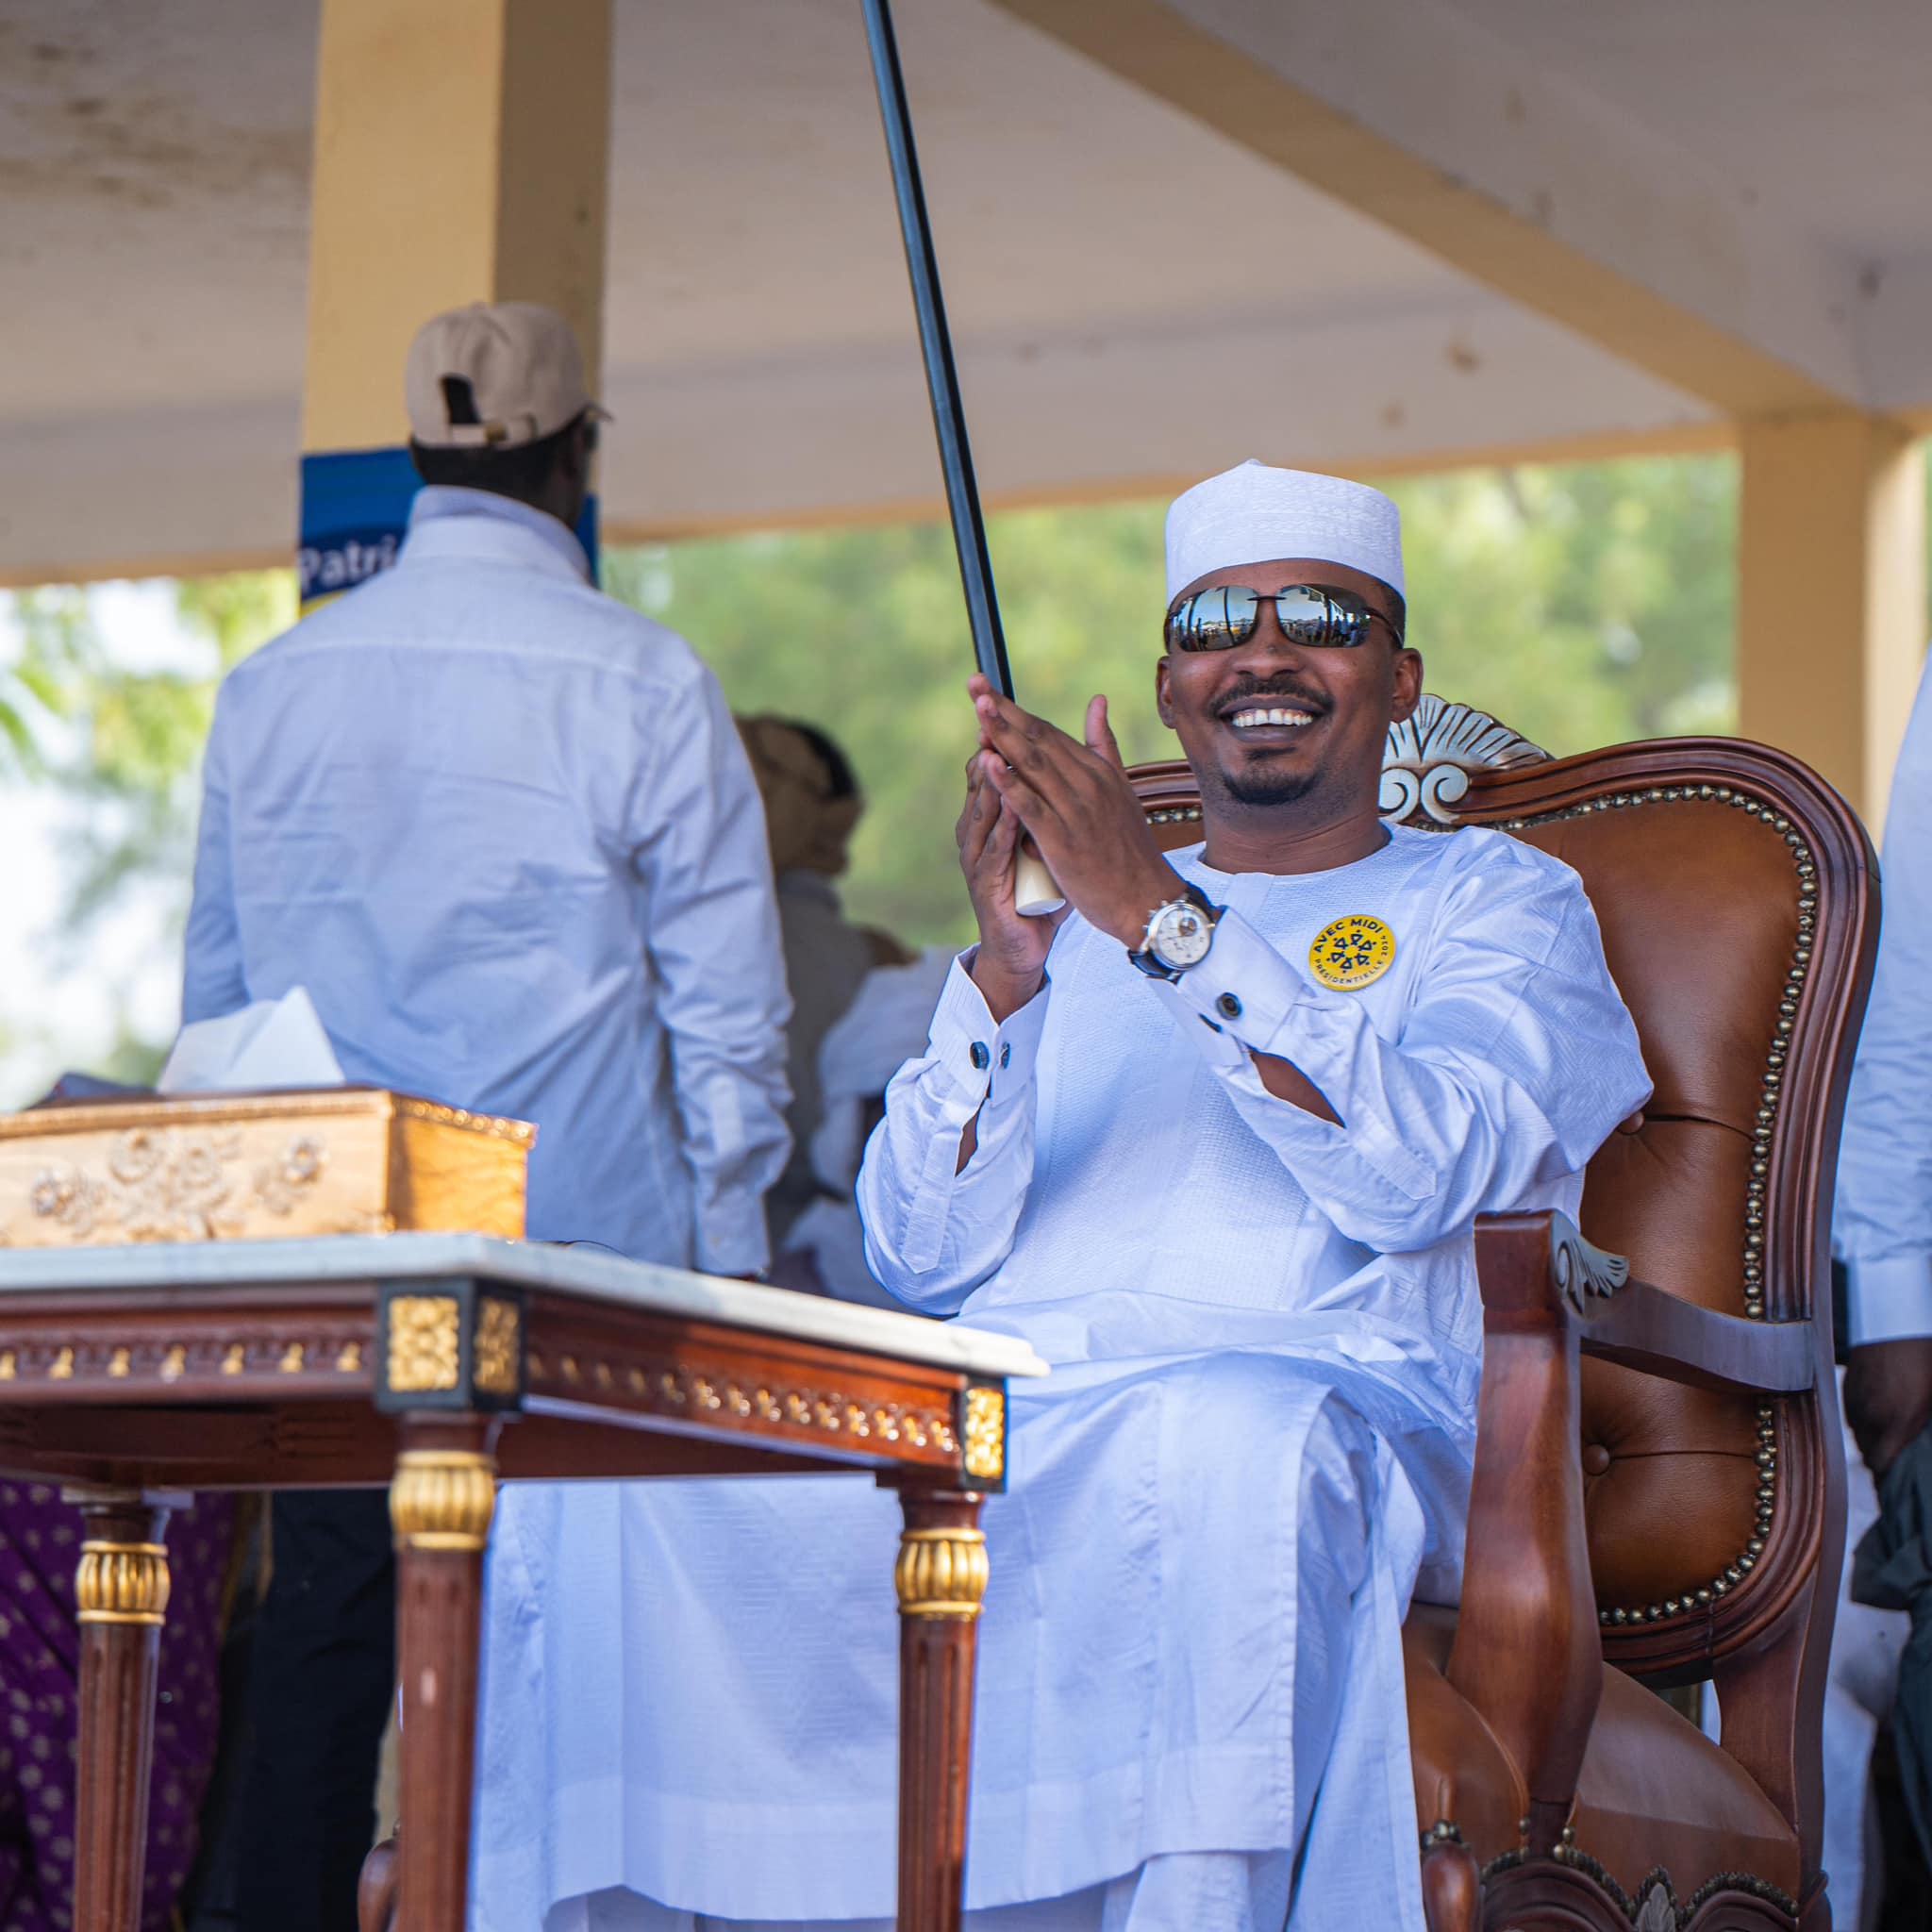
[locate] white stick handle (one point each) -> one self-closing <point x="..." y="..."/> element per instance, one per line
<point x="1035" y="891"/>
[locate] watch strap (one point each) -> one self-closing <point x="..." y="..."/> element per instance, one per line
<point x="1152" y="967"/>
<point x="1146" y="959"/>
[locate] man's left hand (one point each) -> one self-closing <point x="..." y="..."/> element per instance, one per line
<point x="1888" y="1397"/>
<point x="1077" y="803"/>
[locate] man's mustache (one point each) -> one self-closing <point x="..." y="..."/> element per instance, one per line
<point x="1249" y="691"/>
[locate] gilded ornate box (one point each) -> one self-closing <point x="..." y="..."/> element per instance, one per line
<point x="197" y="1167"/>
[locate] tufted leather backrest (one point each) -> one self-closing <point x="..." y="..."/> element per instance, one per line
<point x="1736" y="896"/>
<point x="1698" y="904"/>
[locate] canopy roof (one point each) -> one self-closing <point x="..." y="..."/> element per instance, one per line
<point x="1363" y="234"/>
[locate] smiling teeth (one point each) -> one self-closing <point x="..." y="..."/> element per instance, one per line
<point x="1245" y="720"/>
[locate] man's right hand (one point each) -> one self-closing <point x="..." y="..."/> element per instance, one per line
<point x="1011" y="959"/>
<point x="1888" y="1398"/>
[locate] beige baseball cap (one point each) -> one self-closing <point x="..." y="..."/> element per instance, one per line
<point x="494" y="375"/>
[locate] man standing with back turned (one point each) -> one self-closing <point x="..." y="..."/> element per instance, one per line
<point x="503" y="830"/>
<point x="1213" y="1147"/>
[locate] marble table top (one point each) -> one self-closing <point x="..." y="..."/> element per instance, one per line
<point x="596" y="1272"/>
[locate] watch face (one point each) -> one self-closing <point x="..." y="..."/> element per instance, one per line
<point x="1181" y="935"/>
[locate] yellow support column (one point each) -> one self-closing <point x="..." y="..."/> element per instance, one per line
<point x="462" y="154"/>
<point x="1831" y="593"/>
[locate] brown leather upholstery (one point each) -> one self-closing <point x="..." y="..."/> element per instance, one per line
<point x="1655" y="1789"/>
<point x="1698" y="908"/>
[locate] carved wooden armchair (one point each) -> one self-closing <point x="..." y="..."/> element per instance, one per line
<point x="1675" y="1512"/>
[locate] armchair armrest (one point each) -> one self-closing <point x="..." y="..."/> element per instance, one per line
<point x="1527" y="1654"/>
<point x="1644" y="1329"/>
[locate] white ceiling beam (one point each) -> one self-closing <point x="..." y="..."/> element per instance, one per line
<point x="1895" y="340"/>
<point x="1075" y="415"/>
<point x="177" y="491"/>
<point x="1110" y="413"/>
<point x="1423" y="120"/>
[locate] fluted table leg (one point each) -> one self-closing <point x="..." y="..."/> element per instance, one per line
<point x="940" y="1577"/>
<point x="441" y="1503"/>
<point x="120" y="1599"/>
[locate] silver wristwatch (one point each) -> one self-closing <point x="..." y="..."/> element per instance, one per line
<point x="1178" y="935"/>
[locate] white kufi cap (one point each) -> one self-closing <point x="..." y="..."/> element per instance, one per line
<point x="1255" y="514"/>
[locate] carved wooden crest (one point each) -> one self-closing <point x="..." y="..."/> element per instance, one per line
<point x="1658" y="1912"/>
<point x="1426" y="764"/>
<point x="1582" y="1272"/>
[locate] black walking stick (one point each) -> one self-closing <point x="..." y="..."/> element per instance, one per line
<point x="1034" y="890"/>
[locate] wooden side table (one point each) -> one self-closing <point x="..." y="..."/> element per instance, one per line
<point x="438" y="1364"/>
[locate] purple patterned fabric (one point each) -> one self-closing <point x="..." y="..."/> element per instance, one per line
<point x="40" y="1654"/>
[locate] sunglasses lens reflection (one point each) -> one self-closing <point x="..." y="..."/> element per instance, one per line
<point x="1303" y="613"/>
<point x="1322" y="619"/>
<point x="1310" y="618"/>
<point x="1215" y="620"/>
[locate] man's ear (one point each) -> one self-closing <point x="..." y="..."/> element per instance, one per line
<point x="1409" y="685"/>
<point x="582" y="441"/>
<point x="1161" y="701"/>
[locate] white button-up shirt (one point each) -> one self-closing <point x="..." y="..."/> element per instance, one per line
<point x="1882" y="1226"/>
<point x="503" y="830"/>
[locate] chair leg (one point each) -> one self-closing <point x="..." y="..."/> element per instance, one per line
<point x="1772" y="1706"/>
<point x="1814" y="1913"/>
<point x="1452" y="1883"/>
<point x="375" y="1890"/>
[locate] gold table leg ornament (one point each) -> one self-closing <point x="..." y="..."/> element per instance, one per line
<point x="940" y="1573"/>
<point x="121" y="1583"/>
<point x="443" y="1499"/>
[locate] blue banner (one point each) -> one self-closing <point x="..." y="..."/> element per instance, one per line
<point x="356" y="512"/>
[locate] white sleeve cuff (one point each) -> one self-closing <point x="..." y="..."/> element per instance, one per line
<point x="731" y="1238"/>
<point x="1253" y="1001"/>
<point x="986" y="1058"/>
<point x="1888" y="1300"/>
<point x="1244" y="989"/>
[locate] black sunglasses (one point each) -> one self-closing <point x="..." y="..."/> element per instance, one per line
<point x="1313" y="615"/>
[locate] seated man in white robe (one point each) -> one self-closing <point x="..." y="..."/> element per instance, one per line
<point x="1213" y="1142"/>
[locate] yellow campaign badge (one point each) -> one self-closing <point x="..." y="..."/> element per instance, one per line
<point x="1351" y="953"/>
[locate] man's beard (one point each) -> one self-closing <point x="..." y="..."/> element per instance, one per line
<point x="1258" y="786"/>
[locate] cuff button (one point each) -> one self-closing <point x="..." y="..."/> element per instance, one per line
<point x="981" y="1058"/>
<point x="1229" y="1006"/>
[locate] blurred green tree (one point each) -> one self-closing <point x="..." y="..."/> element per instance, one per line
<point x="114" y="745"/>
<point x="123" y="740"/>
<point x="1584" y="606"/>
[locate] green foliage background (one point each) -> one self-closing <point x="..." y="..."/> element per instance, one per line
<point x="123" y="743"/>
<point x="1583" y="605"/>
